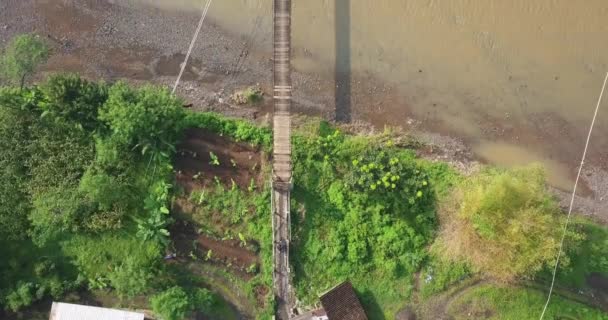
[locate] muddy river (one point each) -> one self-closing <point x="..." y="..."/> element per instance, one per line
<point x="517" y="79"/>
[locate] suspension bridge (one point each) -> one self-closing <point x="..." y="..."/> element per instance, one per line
<point x="281" y="166"/>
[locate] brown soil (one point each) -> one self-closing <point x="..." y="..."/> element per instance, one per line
<point x="194" y="157"/>
<point x="216" y="223"/>
<point x="238" y="162"/>
<point x="171" y="65"/>
<point x="260" y="294"/>
<point x="67" y="19"/>
<point x="226" y="253"/>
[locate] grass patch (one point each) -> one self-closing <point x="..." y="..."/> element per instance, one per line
<point x="438" y="274"/>
<point x="512" y="303"/>
<point x="590" y="256"/>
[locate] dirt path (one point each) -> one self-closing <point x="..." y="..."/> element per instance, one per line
<point x="227" y="289"/>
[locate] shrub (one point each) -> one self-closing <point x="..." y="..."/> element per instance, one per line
<point x="74" y="100"/>
<point x="113" y="257"/>
<point x="22" y="296"/>
<point x="148" y="119"/>
<point x="57" y="212"/>
<point x="171" y="304"/>
<point x="13" y="176"/>
<point x="504" y="223"/>
<point x="175" y="303"/>
<point x="154" y="226"/>
<point x="202" y="299"/>
<point x="249" y="95"/>
<point x="130" y="278"/>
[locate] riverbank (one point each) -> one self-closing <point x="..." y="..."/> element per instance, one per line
<point x="111" y="40"/>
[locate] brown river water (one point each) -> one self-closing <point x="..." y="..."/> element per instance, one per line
<point x="517" y="80"/>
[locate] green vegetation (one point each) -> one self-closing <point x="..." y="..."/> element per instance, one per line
<point x="586" y="257"/>
<point x="87" y="166"/>
<point x="87" y="191"/>
<point x="489" y="302"/>
<point x="237" y="129"/>
<point x="175" y="304"/>
<point x="240" y="215"/>
<point x="503" y="223"/>
<point x="439" y="274"/>
<point x="22" y="56"/>
<point x="88" y="201"/>
<point x="364" y="210"/>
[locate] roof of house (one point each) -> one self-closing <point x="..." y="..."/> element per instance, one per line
<point x="68" y="311"/>
<point x="341" y="303"/>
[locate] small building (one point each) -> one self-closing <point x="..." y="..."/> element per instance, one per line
<point x="341" y="303"/>
<point x="68" y="311"/>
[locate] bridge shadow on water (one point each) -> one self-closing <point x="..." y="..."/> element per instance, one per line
<point x="342" y="67"/>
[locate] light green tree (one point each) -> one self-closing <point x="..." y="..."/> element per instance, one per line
<point x="22" y="56"/>
<point x="504" y="223"/>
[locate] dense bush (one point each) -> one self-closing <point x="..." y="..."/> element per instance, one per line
<point x="175" y="303"/>
<point x="368" y="211"/>
<point x="114" y="261"/>
<point x="588" y="257"/>
<point x="148" y="119"/>
<point x="171" y="304"/>
<point x="84" y="159"/>
<point x="504" y="223"/>
<point x="75" y="101"/>
<point x="240" y="130"/>
<point x="14" y="198"/>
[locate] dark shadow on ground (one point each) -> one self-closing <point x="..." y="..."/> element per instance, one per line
<point x="370" y="305"/>
<point x="342" y="71"/>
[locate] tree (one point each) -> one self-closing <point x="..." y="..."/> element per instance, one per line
<point x="504" y="223"/>
<point x="23" y="54"/>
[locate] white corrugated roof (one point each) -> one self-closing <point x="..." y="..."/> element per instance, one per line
<point x="68" y="311"/>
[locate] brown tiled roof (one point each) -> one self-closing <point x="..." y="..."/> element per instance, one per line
<point x="341" y="303"/>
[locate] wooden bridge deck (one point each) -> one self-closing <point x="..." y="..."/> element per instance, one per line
<point x="281" y="166"/>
